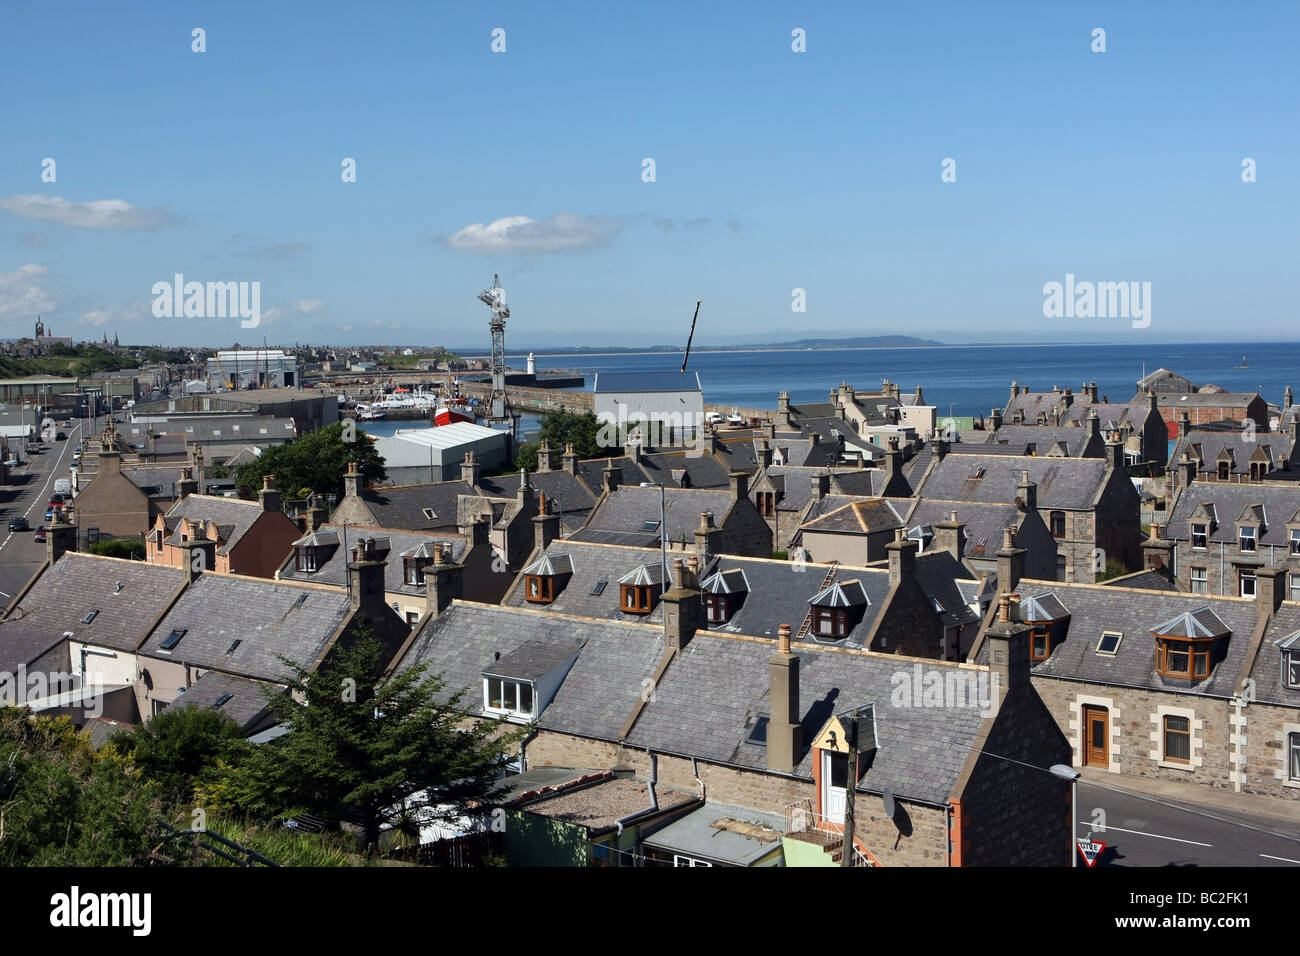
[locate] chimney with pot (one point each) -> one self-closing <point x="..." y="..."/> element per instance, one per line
<point x="784" y="724"/>
<point x="950" y="535"/>
<point x="570" y="460"/>
<point x="683" y="609"/>
<point x="269" y="497"/>
<point x="902" y="558"/>
<point x="444" y="581"/>
<point x="1011" y="562"/>
<point x="352" y="481"/>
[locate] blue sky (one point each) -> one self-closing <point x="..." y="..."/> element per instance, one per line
<point x="774" y="170"/>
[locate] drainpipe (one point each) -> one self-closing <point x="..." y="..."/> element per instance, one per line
<point x="695" y="769"/>
<point x="654" y="799"/>
<point x="947" y="829"/>
<point x="523" y="758"/>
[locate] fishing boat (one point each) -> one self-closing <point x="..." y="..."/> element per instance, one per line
<point x="368" y="413"/>
<point x="448" y="412"/>
<point x="1243" y="363"/>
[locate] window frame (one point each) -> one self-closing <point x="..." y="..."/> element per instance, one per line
<point x="539" y="588"/>
<point x="644" y="599"/>
<point x="1166" y="732"/>
<point x="307" y="560"/>
<point x="1244" y="533"/>
<point x="1203" y="535"/>
<point x="717" y="607"/>
<point x="1295" y="542"/>
<point x="1293" y="757"/>
<point x="1198" y="653"/>
<point x="1203" y="580"/>
<point x="504" y="708"/>
<point x="1119" y="639"/>
<point x="1043" y="634"/>
<point x="1052" y="523"/>
<point x="1243" y="577"/>
<point x="837" y="618"/>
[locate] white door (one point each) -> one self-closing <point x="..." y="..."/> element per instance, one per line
<point x="835" y="772"/>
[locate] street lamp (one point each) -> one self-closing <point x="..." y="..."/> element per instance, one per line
<point x="663" y="529"/>
<point x="1069" y="773"/>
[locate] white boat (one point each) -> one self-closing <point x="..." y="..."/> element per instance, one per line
<point x="369" y="413"/>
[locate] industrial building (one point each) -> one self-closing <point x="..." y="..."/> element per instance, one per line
<point x="252" y="368"/>
<point x="673" y="400"/>
<point x="435" y="454"/>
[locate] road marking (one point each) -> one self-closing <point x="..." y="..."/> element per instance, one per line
<point x="1144" y="833"/>
<point x="8" y="595"/>
<point x="1193" y="810"/>
<point x="1282" y="858"/>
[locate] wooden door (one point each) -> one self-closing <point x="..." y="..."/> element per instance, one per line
<point x="1096" y="730"/>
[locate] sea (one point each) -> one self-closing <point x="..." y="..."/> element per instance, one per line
<point x="960" y="380"/>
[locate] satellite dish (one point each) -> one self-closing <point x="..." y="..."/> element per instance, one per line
<point x="890" y="806"/>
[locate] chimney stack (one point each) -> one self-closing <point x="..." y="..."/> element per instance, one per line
<point x="546" y="526"/>
<point x="187" y="485"/>
<point x="469" y="469"/>
<point x="269" y="497"/>
<point x="352" y="481"/>
<point x="1011" y="562"/>
<point x="765" y="453"/>
<point x="570" y="459"/>
<point x="784" y="725"/>
<point x="316" y="513"/>
<point x="708" y="536"/>
<point x="366" y="579"/>
<point x="683" y="610"/>
<point x="739" y="485"/>
<point x="1184" y="423"/>
<point x="950" y="535"/>
<point x="60" y="537"/>
<point x="1270" y="589"/>
<point x="610" y="475"/>
<point x="202" y="556"/>
<point x="1028" y="493"/>
<point x="1008" y="643"/>
<point x="821" y="485"/>
<point x="902" y="558"/>
<point x="444" y="581"/>
<point x="545" y="458"/>
<point x="1157" y="553"/>
<point x="893" y="461"/>
<point x="783" y="410"/>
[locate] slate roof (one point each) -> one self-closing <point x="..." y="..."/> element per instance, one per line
<point x="573" y="500"/>
<point x="20" y="645"/>
<point x="232" y="515"/>
<point x="1228" y="501"/>
<point x="247" y="704"/>
<point x="984" y="522"/>
<point x="1240" y="448"/>
<point x="1146" y="580"/>
<point x="252" y="429"/>
<point x="1267" y="669"/>
<point x="590" y="563"/>
<point x="866" y="482"/>
<point x="269" y="619"/>
<point x="709" y="700"/>
<point x="1204" y="399"/>
<point x="1070" y="484"/>
<point x="938" y="574"/>
<point x="390" y="545"/>
<point x="856" y="517"/>
<point x="1043" y="437"/>
<point x="154" y="481"/>
<point x="621" y="517"/>
<point x="1135" y="613"/>
<point x="597" y="694"/>
<point x="79" y="583"/>
<point x="532" y="660"/>
<point x="403" y="506"/>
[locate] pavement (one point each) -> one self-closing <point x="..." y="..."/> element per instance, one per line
<point x="1160" y="823"/>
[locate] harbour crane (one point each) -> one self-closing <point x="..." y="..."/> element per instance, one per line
<point x="495" y="298"/>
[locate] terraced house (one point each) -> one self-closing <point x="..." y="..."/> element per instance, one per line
<point x="1222" y="536"/>
<point x="1088" y="504"/>
<point x="1188" y="688"/>
<point x="251" y="537"/>
<point x="774" y="728"/>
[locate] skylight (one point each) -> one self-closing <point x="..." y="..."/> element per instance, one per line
<point x="172" y="639"/>
<point x="90" y="616"/>
<point x="222" y="700"/>
<point x="649" y="525"/>
<point x="1109" y="643"/>
<point x="430" y="514"/>
<point x="599" y="587"/>
<point x="231" y="648"/>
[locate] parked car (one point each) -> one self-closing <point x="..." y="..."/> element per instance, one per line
<point x="49" y="516"/>
<point x="39" y="534"/>
<point x="56" y="499"/>
<point x="67" y="423"/>
<point x="13" y="463"/>
<point x="19" y="524"/>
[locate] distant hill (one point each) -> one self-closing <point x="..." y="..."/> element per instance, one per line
<point x="859" y="342"/>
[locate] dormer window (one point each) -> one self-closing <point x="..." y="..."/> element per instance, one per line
<point x="636" y="599"/>
<point x="539" y="589"/>
<point x="1246" y="539"/>
<point x="308" y="559"/>
<point x="413" y="570"/>
<point x="1040" y="644"/>
<point x="830" y="622"/>
<point x="717" y="608"/>
<point x="639" y="589"/>
<point x="508" y="697"/>
<point x="1200" y="535"/>
<point x="1186" y="645"/>
<point x="1224" y="469"/>
<point x="545" y="578"/>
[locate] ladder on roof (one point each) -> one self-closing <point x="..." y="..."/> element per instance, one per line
<point x="806" y="626"/>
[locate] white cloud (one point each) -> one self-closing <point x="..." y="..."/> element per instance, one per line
<point x="271" y="315"/>
<point x="95" y="214"/>
<point x="561" y="232"/>
<point x="308" y="306"/>
<point x="134" y="312"/>
<point x="22" y="292"/>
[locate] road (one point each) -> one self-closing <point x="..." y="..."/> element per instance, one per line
<point x="27" y="496"/>
<point x="1145" y="831"/>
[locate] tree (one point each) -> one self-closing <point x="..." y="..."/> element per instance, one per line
<point x="61" y="804"/>
<point x="316" y="461"/>
<point x="175" y="748"/>
<point x="131" y="548"/>
<point x="563" y="428"/>
<point x="368" y="749"/>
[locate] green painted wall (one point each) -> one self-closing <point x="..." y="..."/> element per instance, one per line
<point x="533" y="840"/>
<point x="799" y="853"/>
